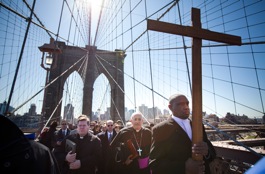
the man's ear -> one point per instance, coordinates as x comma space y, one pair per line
170, 106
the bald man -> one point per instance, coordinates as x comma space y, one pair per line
172, 147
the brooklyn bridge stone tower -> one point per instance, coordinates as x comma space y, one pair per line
92, 62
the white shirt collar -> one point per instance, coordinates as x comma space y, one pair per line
184, 124
179, 119
110, 132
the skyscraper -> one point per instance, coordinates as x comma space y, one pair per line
32, 110
69, 113
3, 107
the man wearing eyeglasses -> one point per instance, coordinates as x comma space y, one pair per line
58, 150
106, 138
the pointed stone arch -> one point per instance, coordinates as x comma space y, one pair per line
110, 63
73, 85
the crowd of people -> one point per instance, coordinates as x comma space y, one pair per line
131, 148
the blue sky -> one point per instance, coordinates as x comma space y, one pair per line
232, 75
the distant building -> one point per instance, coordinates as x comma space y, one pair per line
130, 112
32, 110
69, 113
166, 112
107, 114
211, 118
3, 108
95, 116
236, 119
126, 114
144, 110
28, 121
154, 113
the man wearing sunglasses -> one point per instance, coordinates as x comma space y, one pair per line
59, 148
106, 138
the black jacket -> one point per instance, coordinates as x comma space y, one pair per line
60, 137
88, 151
21, 155
144, 137
171, 147
107, 163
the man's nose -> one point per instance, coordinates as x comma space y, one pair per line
186, 106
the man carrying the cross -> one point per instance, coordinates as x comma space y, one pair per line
172, 148
136, 142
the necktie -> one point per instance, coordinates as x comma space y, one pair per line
110, 137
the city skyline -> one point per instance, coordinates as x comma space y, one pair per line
145, 110
232, 75
32, 119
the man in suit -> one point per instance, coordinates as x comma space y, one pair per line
172, 148
59, 147
107, 164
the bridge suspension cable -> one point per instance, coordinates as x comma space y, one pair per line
47, 85
167, 57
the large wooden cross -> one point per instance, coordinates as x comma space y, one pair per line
197, 33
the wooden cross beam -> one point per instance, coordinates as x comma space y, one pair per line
197, 33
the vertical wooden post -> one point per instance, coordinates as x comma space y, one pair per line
197, 34
197, 135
